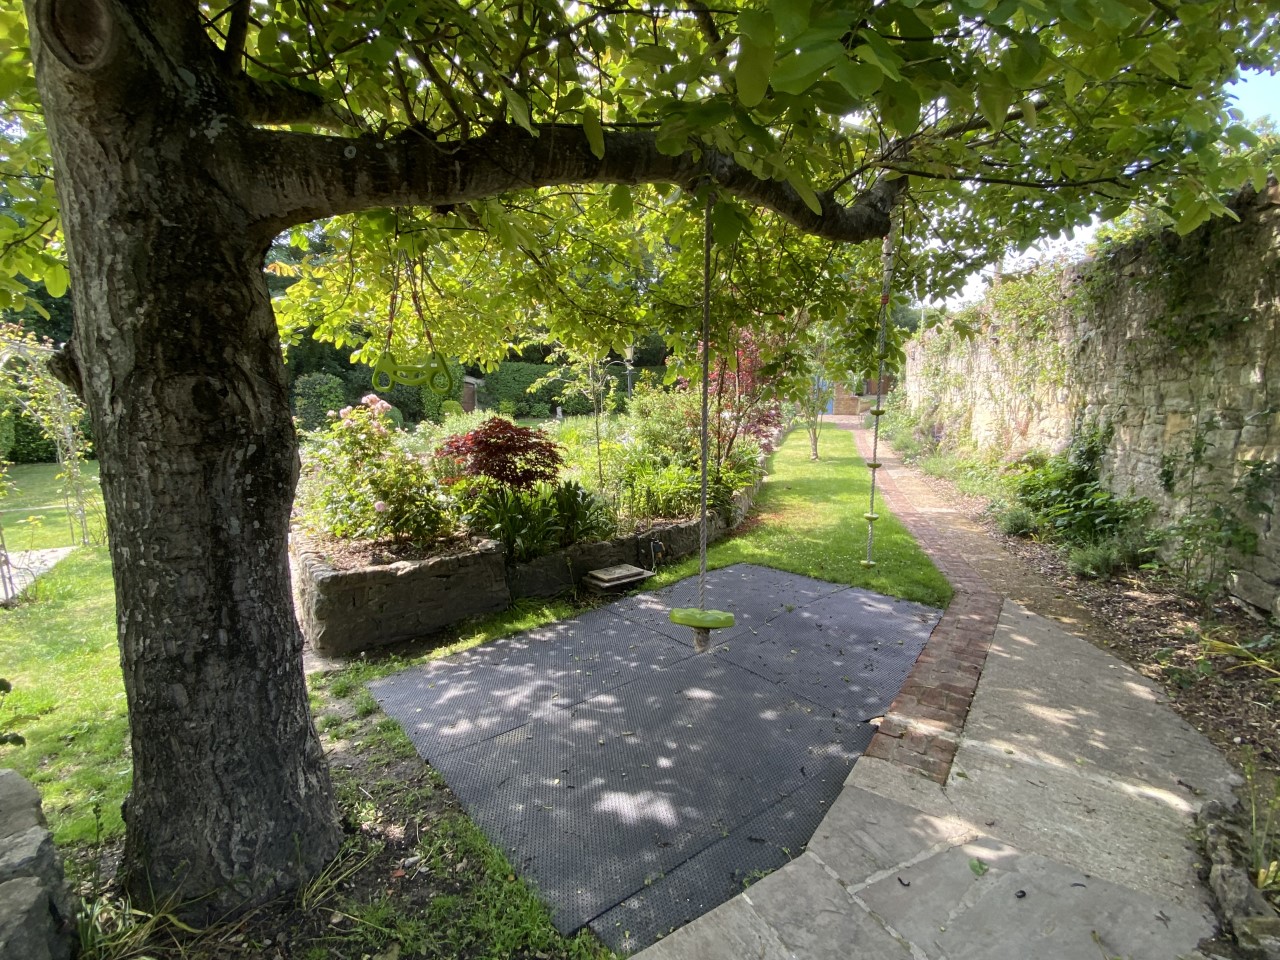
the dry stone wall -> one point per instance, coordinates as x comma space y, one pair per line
37, 910
1172, 342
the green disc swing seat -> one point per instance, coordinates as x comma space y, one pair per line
699, 618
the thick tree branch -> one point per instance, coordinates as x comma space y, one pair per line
294, 178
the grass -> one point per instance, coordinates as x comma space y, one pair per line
810, 522
68, 696
68, 702
32, 512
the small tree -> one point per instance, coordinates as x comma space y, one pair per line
511, 455
28, 384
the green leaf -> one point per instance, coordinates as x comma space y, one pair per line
752, 71
56, 280
994, 97
757, 26
876, 49
978, 867
594, 132
806, 191
1072, 83
796, 73
791, 16
267, 39
620, 201
860, 79
900, 104
727, 223
1165, 60
519, 109
1029, 113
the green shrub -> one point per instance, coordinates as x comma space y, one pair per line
583, 515
450, 408
661, 492
1017, 521
533, 522
524, 523
1067, 495
358, 482
507, 388
30, 444
314, 396
1093, 561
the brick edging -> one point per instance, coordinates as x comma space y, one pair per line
922, 727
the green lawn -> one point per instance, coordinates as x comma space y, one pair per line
32, 512
810, 522
68, 697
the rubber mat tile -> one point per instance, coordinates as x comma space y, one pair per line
466, 698
719, 872
858, 676
641, 778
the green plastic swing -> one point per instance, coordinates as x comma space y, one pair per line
699, 618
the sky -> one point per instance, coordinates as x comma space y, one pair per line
1257, 95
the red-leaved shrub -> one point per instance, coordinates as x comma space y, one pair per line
514, 456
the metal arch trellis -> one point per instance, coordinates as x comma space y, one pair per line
64, 439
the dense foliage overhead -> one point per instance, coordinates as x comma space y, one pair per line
1011, 119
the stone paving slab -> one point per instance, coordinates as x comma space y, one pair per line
1073, 785
1065, 703
1025, 906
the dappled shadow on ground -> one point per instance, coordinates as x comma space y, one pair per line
637, 784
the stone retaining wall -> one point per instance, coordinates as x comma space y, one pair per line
342, 612
37, 910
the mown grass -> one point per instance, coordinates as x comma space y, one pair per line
810, 522
32, 512
68, 696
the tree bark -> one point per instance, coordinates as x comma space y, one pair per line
181, 368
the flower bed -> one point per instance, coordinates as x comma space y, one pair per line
485, 516
343, 612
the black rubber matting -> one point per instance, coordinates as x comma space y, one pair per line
637, 785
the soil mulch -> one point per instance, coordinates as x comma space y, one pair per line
1143, 619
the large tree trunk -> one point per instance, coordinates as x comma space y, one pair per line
181, 369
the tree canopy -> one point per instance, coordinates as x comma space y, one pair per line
1006, 119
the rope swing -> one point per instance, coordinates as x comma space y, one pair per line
699, 618
433, 372
886, 289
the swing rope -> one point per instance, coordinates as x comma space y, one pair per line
699, 618
706, 378
886, 291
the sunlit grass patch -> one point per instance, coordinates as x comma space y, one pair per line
68, 697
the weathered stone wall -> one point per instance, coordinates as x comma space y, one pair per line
344, 612
1165, 341
37, 912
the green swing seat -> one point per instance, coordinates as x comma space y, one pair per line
701, 619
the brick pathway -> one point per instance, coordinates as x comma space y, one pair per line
922, 728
